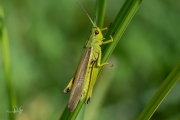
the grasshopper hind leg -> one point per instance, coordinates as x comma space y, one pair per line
88, 97
92, 80
69, 86
89, 93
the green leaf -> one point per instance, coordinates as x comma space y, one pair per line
164, 89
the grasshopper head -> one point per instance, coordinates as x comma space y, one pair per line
95, 31
95, 37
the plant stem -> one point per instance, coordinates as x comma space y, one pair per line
100, 12
119, 25
7, 66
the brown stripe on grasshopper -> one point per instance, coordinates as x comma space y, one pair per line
79, 80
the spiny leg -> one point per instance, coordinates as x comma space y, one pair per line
99, 64
92, 80
69, 86
108, 41
106, 27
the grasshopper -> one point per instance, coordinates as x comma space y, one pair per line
86, 74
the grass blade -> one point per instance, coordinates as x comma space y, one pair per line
164, 89
6, 63
100, 12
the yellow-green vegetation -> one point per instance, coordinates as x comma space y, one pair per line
46, 39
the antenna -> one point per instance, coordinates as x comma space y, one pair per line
87, 14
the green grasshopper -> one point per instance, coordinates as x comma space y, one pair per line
86, 74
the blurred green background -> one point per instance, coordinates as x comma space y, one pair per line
46, 40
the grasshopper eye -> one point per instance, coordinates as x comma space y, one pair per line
96, 32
